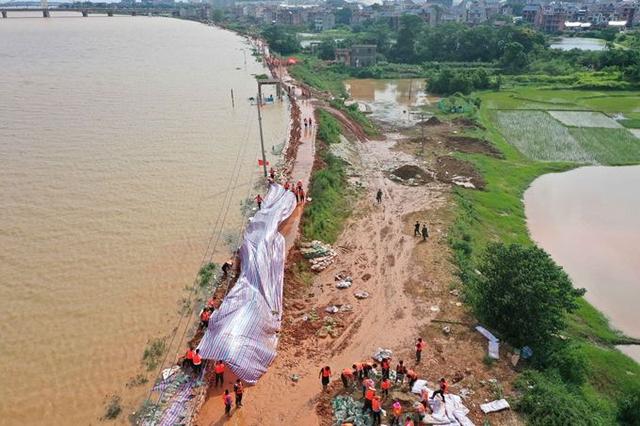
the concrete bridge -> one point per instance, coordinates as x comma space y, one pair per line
46, 11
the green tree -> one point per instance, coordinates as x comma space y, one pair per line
281, 40
327, 50
514, 58
523, 294
405, 48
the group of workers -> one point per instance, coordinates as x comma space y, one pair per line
363, 374
297, 189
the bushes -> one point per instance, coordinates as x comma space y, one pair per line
629, 410
548, 402
523, 294
448, 81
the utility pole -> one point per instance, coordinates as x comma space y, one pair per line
264, 159
421, 124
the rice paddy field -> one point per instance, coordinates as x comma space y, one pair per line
569, 125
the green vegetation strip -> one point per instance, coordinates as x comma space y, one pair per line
584, 381
324, 216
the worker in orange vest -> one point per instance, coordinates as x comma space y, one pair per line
385, 385
187, 362
238, 389
347, 377
226, 398
396, 409
444, 386
259, 201
369, 394
204, 317
219, 371
376, 408
359, 370
420, 344
412, 376
197, 363
325, 374
385, 365
366, 384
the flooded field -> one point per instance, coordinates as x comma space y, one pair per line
587, 219
390, 101
582, 43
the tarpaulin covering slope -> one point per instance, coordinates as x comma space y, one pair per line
243, 331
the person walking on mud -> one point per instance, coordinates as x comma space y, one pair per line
259, 201
379, 196
425, 232
416, 229
420, 344
305, 124
226, 398
238, 389
324, 376
219, 371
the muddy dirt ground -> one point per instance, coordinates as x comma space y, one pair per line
412, 290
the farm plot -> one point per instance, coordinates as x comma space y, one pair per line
585, 119
608, 146
540, 137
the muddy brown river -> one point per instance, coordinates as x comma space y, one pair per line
117, 139
588, 220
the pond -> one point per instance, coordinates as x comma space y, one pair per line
588, 221
582, 43
390, 101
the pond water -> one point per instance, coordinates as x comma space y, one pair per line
582, 43
390, 101
588, 220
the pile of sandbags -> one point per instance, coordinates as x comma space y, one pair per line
320, 255
348, 410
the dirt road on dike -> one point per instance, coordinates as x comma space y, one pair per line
409, 282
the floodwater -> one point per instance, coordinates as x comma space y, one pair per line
117, 143
390, 101
588, 220
581, 43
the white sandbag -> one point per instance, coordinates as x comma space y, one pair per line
418, 385
494, 350
486, 333
493, 406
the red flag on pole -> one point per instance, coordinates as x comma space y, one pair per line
261, 163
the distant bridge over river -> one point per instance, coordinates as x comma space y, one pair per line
86, 11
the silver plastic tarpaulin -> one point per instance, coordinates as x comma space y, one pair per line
243, 332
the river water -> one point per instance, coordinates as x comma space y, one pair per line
117, 139
580, 43
588, 220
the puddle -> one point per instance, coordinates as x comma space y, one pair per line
390, 101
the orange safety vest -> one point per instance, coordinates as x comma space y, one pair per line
219, 368
370, 394
189, 354
420, 346
358, 366
347, 372
375, 404
326, 372
197, 360
397, 410
386, 384
227, 399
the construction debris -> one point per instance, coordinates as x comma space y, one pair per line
361, 294
381, 353
344, 283
494, 342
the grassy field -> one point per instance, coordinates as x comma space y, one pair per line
497, 214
